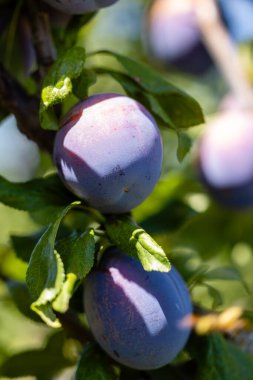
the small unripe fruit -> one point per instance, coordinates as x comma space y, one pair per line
109, 152
225, 158
136, 316
79, 6
19, 157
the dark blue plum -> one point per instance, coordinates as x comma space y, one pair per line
79, 6
174, 38
238, 16
109, 152
225, 158
136, 316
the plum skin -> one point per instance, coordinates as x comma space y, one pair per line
135, 315
109, 152
225, 159
79, 6
174, 38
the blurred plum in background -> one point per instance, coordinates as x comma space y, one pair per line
173, 37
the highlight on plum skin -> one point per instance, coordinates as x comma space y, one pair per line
225, 158
136, 316
109, 152
79, 6
173, 38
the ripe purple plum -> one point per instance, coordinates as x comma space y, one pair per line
137, 316
225, 158
109, 152
173, 37
79, 6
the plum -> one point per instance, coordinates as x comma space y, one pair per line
237, 15
19, 157
109, 152
225, 158
79, 6
136, 316
174, 38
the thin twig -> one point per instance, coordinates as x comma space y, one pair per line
223, 50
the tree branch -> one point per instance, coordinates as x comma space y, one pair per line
25, 108
71, 324
42, 38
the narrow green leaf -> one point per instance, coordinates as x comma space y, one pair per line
215, 295
182, 109
79, 256
184, 145
48, 119
24, 245
132, 239
83, 82
61, 303
35, 195
134, 90
58, 84
94, 365
47, 314
45, 274
77, 253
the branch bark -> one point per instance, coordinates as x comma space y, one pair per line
25, 108
42, 37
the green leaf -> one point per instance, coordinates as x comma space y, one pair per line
184, 145
46, 313
48, 119
94, 365
58, 83
39, 194
215, 295
181, 108
45, 274
78, 254
221, 360
24, 245
22, 299
134, 90
61, 303
132, 239
83, 82
42, 363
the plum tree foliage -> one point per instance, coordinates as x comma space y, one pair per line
121, 235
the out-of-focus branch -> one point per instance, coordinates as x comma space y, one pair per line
42, 38
25, 108
223, 50
72, 325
